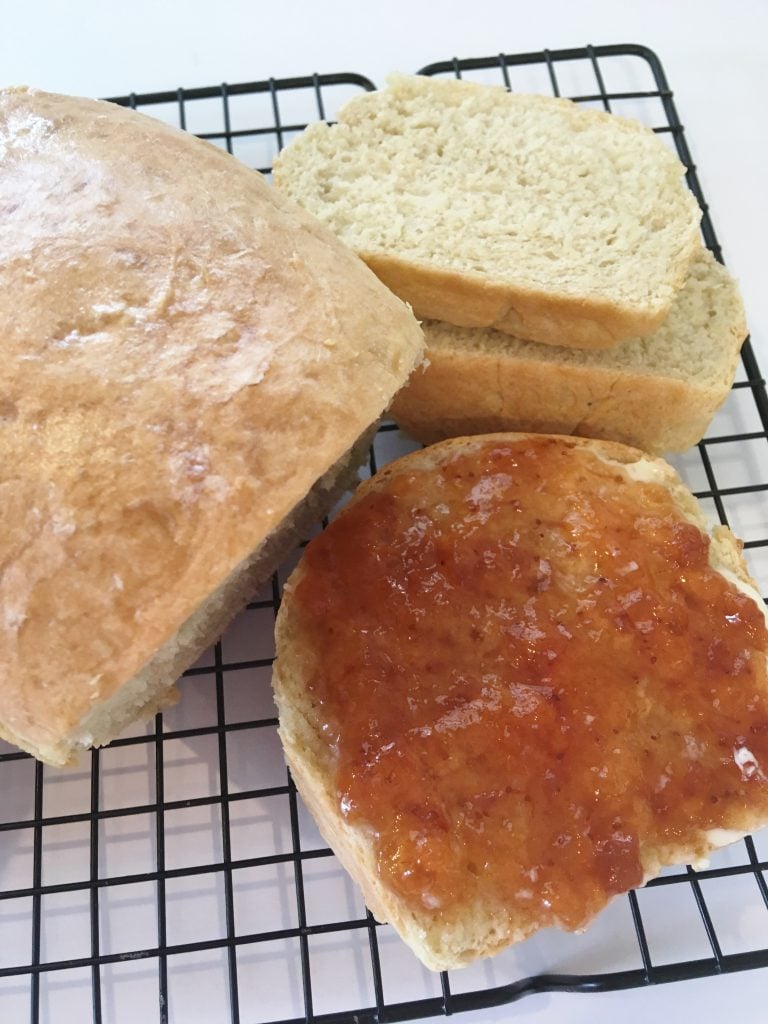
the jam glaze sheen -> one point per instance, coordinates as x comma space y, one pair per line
528, 676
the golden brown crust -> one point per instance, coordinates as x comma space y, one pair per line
471, 300
659, 393
460, 393
185, 353
444, 942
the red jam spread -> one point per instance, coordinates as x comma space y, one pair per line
526, 670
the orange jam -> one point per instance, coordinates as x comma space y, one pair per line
527, 672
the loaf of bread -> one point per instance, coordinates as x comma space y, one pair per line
482, 208
187, 363
516, 677
658, 393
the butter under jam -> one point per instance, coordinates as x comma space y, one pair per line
528, 674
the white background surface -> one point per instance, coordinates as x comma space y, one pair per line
716, 58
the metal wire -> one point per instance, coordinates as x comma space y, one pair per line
319, 93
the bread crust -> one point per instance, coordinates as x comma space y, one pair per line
153, 687
449, 941
470, 300
185, 353
460, 393
658, 394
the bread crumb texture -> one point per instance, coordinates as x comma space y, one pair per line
524, 191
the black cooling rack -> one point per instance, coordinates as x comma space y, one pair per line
176, 875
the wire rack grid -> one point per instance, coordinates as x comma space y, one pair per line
176, 874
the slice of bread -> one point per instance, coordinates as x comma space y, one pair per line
658, 393
186, 356
516, 677
482, 208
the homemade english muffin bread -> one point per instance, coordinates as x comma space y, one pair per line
188, 362
482, 208
516, 676
658, 393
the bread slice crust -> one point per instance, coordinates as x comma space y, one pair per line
657, 393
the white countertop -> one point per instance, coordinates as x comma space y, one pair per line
716, 58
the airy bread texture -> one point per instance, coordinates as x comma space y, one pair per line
658, 393
185, 355
449, 939
482, 208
